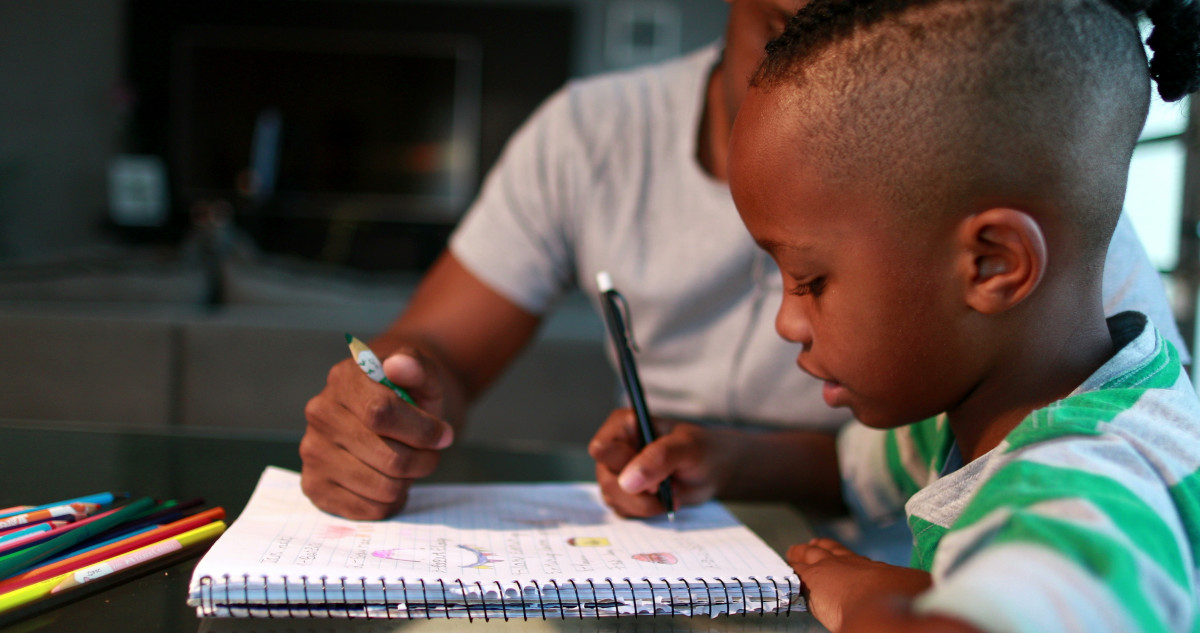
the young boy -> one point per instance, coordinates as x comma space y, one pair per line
938, 181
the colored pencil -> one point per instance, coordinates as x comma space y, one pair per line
171, 511
120, 562
369, 362
141, 555
44, 526
102, 498
113, 549
13, 563
67, 511
93, 544
7, 547
21, 542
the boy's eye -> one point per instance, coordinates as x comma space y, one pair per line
814, 288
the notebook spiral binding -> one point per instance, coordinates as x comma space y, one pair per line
245, 597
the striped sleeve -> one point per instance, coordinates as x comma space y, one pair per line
1071, 534
881, 469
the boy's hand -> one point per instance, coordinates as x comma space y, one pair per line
629, 477
364, 446
839, 583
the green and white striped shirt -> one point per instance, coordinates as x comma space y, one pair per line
1085, 518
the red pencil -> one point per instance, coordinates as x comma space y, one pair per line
113, 549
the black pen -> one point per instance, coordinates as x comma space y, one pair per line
623, 344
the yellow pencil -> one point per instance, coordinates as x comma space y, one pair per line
71, 579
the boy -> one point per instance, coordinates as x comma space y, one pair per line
938, 181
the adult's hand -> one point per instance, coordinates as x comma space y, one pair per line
364, 446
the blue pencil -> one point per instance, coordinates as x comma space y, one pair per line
102, 498
34, 529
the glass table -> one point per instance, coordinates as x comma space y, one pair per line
44, 462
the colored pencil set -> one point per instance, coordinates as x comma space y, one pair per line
58, 547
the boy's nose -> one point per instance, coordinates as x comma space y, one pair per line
792, 323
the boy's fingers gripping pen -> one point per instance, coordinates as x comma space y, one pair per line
370, 364
618, 330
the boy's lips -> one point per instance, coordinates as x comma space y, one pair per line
834, 393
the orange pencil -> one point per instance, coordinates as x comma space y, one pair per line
113, 549
68, 511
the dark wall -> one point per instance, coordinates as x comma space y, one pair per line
516, 74
66, 115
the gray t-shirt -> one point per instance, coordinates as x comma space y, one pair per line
604, 176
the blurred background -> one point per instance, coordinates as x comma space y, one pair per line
198, 197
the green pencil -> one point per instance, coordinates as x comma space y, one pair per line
13, 563
370, 364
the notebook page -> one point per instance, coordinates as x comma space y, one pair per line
486, 534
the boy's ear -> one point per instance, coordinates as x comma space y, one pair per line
1003, 258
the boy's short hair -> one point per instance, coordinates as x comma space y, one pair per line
948, 104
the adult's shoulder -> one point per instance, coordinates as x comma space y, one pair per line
657, 98
687, 70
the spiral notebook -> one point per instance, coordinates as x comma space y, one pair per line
551, 550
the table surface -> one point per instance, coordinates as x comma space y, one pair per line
41, 461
